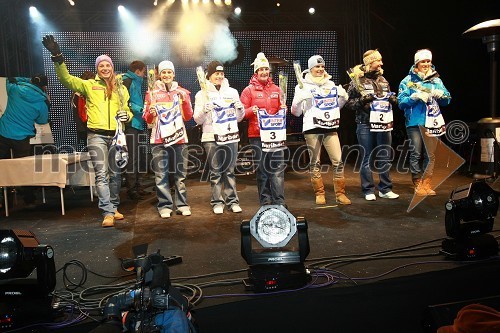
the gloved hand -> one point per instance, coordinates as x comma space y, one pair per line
302, 95
366, 99
238, 105
51, 45
437, 93
393, 99
122, 115
209, 107
421, 95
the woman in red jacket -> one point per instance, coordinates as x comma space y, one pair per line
266, 115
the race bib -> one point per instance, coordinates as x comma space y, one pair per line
170, 122
326, 111
120, 143
272, 130
381, 119
225, 124
434, 121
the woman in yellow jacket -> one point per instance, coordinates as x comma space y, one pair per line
107, 105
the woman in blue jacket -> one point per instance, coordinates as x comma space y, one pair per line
421, 93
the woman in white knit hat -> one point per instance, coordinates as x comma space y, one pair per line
167, 107
266, 115
421, 93
320, 101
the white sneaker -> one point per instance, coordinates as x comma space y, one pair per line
370, 197
218, 209
184, 211
388, 195
165, 214
236, 208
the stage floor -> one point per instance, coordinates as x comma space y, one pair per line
209, 243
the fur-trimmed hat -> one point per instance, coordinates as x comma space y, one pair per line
423, 54
102, 58
372, 56
213, 67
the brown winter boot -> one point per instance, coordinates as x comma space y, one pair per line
319, 190
420, 188
339, 186
427, 186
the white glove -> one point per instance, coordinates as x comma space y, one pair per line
437, 93
238, 105
122, 115
421, 95
302, 95
209, 107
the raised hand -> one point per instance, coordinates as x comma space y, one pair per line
51, 45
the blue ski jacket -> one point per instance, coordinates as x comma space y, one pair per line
415, 110
27, 104
136, 100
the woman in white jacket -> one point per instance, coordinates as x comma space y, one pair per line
218, 109
320, 101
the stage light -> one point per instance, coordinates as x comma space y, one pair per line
470, 214
228, 2
312, 10
277, 264
71, 2
20, 254
121, 9
155, 3
25, 300
34, 13
237, 11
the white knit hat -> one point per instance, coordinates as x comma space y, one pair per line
423, 54
260, 61
165, 64
314, 61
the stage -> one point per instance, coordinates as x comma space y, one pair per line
383, 260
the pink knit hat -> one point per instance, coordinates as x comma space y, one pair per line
101, 58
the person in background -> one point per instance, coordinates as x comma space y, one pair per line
167, 107
320, 101
218, 109
371, 98
421, 93
78, 105
262, 102
106, 106
133, 81
27, 105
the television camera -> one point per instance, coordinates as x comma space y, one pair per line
153, 305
